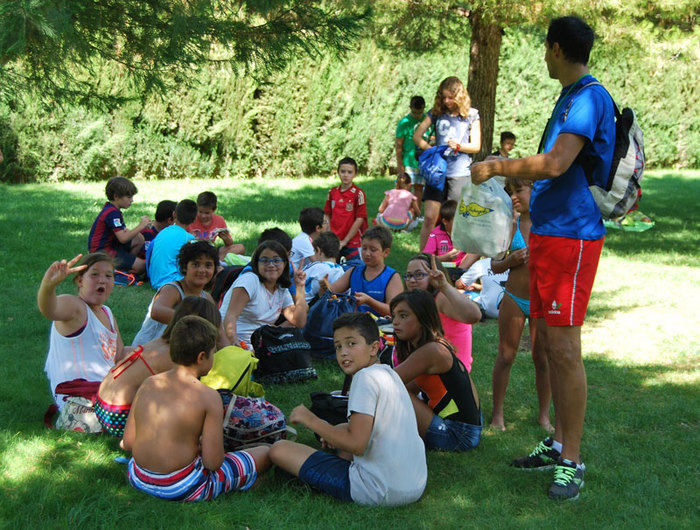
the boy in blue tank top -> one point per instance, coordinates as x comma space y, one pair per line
373, 283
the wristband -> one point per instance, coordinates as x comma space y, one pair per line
458, 148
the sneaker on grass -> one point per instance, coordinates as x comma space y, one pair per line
543, 457
568, 480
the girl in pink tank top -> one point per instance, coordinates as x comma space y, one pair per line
457, 312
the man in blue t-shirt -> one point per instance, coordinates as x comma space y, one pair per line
566, 237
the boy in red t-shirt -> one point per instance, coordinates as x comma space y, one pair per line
208, 225
346, 210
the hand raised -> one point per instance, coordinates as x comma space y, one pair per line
59, 270
299, 274
437, 277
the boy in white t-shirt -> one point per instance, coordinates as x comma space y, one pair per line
311, 222
381, 458
323, 263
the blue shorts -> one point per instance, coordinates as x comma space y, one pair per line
327, 473
449, 435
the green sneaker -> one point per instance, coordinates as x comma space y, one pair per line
568, 480
543, 457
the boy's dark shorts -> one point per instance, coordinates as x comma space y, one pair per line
124, 260
327, 473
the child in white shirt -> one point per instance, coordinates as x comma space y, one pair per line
381, 457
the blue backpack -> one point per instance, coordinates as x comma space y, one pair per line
319, 322
433, 166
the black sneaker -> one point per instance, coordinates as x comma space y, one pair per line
543, 457
568, 480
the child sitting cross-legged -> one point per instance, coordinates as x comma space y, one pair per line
178, 453
451, 419
209, 226
118, 388
373, 283
381, 458
399, 207
323, 263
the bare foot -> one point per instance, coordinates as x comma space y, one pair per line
546, 425
498, 426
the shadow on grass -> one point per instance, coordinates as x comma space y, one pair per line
635, 415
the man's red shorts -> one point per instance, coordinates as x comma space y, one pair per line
562, 271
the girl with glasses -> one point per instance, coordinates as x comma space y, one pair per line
259, 296
457, 312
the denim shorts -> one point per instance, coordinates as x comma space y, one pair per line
327, 473
449, 435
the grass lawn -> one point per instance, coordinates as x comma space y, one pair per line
640, 342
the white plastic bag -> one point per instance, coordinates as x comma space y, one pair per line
484, 219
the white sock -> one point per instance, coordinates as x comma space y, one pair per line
556, 446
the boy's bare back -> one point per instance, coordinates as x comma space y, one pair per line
171, 412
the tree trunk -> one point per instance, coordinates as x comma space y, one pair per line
484, 53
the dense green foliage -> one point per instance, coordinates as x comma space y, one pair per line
301, 120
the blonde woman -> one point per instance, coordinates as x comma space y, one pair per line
457, 125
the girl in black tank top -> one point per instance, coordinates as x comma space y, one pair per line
428, 362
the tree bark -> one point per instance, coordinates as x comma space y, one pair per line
484, 54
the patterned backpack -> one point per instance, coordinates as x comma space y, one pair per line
250, 421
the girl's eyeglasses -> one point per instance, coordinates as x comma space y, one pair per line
418, 276
275, 262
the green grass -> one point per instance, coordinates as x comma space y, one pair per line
641, 344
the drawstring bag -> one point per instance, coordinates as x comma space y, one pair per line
433, 166
251, 421
484, 219
232, 370
319, 322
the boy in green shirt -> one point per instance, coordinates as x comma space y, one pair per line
406, 161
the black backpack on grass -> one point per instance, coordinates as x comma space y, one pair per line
284, 355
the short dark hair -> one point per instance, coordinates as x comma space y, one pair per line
276, 234
193, 305
448, 210
120, 187
207, 199
328, 243
194, 248
164, 210
405, 179
381, 234
190, 336
310, 219
274, 246
513, 183
507, 135
574, 36
186, 211
363, 323
348, 160
417, 102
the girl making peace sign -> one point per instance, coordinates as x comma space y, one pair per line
84, 342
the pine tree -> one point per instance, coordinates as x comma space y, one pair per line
58, 47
